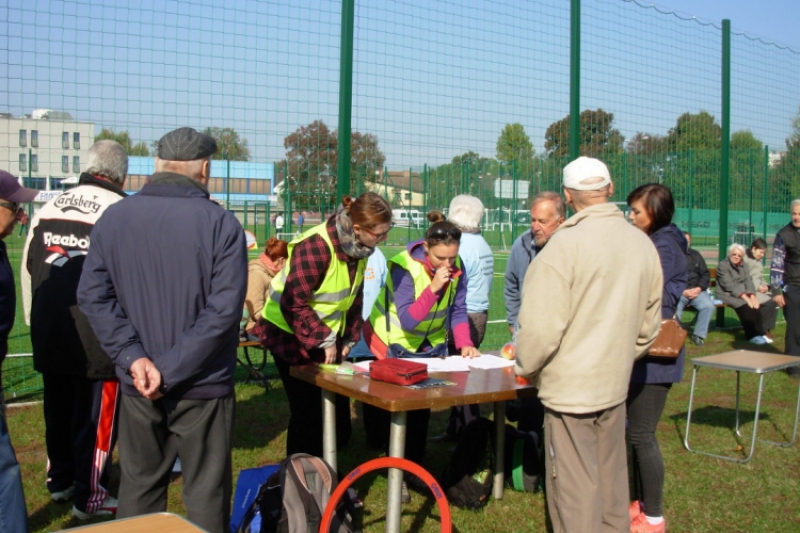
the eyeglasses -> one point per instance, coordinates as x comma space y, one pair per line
378, 236
441, 234
13, 206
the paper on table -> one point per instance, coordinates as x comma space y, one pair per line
455, 363
486, 361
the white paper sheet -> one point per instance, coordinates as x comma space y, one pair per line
435, 364
486, 361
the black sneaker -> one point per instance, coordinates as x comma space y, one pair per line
698, 341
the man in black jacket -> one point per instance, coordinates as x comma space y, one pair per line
696, 293
163, 287
80, 386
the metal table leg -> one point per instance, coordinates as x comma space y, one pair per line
794, 429
689, 410
397, 444
329, 427
500, 439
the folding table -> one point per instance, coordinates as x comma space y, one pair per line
760, 363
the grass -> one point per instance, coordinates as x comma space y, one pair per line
703, 494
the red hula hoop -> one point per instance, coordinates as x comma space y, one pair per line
388, 462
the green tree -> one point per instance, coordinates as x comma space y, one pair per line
745, 140
597, 136
784, 178
698, 131
124, 138
229, 142
514, 144
312, 163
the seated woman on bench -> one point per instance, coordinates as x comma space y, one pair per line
735, 288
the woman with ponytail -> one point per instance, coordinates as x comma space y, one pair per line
313, 310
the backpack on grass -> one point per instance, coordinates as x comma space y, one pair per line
294, 498
468, 477
522, 460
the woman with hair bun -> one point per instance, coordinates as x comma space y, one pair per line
260, 272
313, 310
423, 301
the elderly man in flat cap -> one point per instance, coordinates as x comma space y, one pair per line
591, 304
163, 288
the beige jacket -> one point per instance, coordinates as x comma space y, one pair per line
258, 280
591, 305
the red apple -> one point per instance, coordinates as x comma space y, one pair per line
522, 381
509, 351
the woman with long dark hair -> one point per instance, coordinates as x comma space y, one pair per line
651, 210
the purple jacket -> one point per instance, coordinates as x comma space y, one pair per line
404, 298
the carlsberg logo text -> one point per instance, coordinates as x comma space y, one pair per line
52, 239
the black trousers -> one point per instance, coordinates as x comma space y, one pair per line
792, 314
645, 404
153, 433
80, 433
377, 421
751, 320
304, 434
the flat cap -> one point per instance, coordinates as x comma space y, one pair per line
186, 144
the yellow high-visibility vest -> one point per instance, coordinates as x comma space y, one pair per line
331, 300
432, 327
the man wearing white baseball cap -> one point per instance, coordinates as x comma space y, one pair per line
12, 500
591, 305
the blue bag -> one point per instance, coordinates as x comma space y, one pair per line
250, 480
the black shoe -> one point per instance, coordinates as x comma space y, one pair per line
698, 341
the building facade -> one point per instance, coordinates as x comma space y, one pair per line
44, 148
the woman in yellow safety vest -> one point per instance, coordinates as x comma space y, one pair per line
424, 300
313, 310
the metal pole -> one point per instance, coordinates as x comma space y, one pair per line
227, 181
765, 202
725, 164
575, 80
345, 99
750, 227
691, 189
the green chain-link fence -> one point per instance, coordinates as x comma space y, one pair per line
435, 97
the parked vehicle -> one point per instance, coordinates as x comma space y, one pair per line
407, 217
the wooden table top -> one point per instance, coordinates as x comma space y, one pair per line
160, 522
475, 386
747, 361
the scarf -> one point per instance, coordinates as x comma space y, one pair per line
351, 246
268, 263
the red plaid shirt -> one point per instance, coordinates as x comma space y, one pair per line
307, 268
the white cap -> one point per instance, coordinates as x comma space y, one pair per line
586, 168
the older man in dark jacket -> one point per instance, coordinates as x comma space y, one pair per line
696, 293
163, 287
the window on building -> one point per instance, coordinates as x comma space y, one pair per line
23, 138
34, 183
64, 164
76, 164
34, 163
65, 140
76, 140
23, 163
408, 196
35, 138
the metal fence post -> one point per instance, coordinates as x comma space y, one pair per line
575, 80
345, 99
725, 164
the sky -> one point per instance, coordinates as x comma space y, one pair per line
772, 20
432, 79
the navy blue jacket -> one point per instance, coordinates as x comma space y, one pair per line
671, 246
165, 278
8, 302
